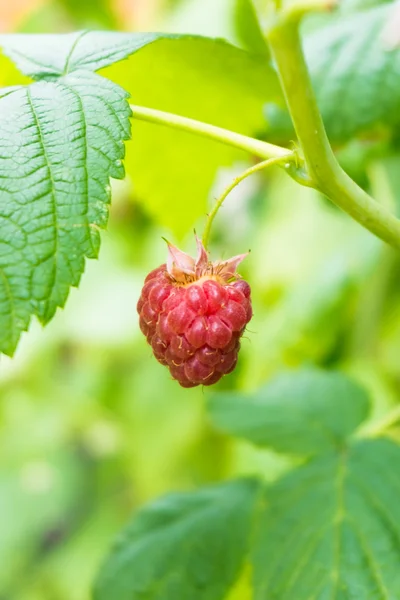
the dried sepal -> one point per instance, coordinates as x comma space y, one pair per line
179, 264
184, 269
227, 269
202, 260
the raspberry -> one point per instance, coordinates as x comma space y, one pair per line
193, 314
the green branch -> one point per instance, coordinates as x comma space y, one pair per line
323, 169
218, 134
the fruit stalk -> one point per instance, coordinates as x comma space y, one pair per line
254, 169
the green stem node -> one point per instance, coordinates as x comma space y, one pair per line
323, 169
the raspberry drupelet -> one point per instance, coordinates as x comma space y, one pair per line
193, 314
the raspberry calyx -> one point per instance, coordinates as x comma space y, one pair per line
193, 313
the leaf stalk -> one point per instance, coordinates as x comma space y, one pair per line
218, 134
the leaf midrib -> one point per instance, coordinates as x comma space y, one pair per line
55, 252
85, 147
71, 51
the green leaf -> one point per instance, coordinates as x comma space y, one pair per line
59, 145
354, 74
9, 74
331, 529
356, 77
208, 80
189, 546
34, 54
300, 412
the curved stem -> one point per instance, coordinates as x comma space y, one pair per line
325, 172
388, 421
254, 169
218, 134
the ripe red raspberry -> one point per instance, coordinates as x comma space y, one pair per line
193, 314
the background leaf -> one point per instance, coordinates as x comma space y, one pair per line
300, 412
354, 73
355, 76
9, 74
331, 529
54, 190
209, 80
188, 546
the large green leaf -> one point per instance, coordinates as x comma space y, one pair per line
354, 74
208, 80
331, 530
9, 74
301, 412
59, 145
189, 546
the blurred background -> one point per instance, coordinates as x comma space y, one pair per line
91, 426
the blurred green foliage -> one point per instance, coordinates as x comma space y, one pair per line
92, 427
